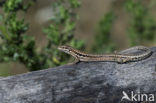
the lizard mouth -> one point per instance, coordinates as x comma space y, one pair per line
60, 48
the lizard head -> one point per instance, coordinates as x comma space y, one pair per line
65, 48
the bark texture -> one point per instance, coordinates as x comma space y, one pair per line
85, 82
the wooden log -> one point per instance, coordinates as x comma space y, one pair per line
85, 82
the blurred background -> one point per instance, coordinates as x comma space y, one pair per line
31, 31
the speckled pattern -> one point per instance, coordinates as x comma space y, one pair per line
85, 82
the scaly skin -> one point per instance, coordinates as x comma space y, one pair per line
116, 57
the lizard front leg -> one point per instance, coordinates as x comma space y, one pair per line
76, 61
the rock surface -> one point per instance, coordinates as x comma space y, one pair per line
85, 82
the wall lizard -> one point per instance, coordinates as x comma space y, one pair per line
116, 57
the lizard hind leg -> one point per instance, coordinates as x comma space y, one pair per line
122, 61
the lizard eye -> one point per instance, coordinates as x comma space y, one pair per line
69, 50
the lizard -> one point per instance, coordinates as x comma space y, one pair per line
116, 57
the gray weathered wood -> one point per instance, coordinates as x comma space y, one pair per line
85, 82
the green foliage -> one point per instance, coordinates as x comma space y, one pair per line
141, 30
14, 47
61, 31
143, 26
103, 42
17, 46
